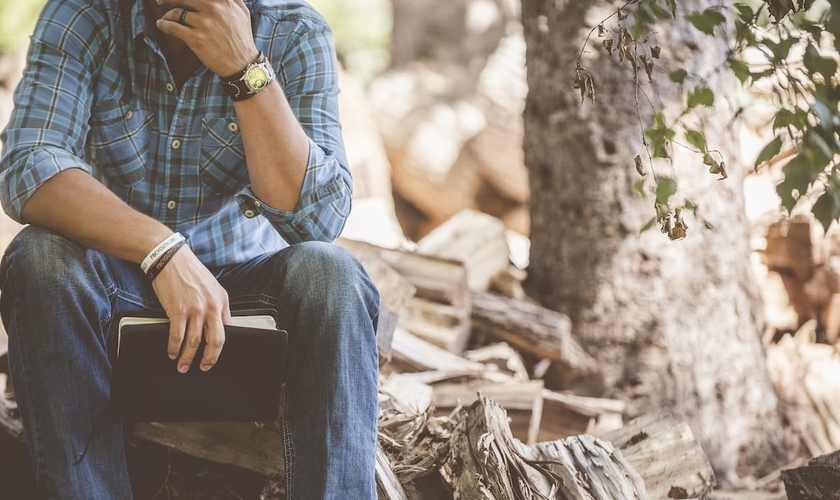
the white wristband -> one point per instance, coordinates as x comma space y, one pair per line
160, 250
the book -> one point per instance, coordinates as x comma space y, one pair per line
244, 385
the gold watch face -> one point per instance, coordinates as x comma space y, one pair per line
256, 78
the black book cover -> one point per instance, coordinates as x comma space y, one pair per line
244, 385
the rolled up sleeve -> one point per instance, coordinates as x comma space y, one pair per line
48, 127
309, 74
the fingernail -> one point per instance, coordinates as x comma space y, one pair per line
183, 368
172, 356
205, 368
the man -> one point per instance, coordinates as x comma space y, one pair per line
123, 136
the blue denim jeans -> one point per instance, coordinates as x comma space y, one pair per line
58, 303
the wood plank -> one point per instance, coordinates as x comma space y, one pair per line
474, 238
666, 454
522, 400
567, 415
243, 444
443, 325
435, 279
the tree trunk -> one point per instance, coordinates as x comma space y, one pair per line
675, 325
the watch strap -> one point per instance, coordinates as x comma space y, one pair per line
236, 86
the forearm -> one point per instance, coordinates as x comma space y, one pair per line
78, 206
276, 147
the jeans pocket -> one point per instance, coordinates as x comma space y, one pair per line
119, 141
222, 167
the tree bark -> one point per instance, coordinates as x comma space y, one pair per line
675, 325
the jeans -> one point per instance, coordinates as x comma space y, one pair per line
58, 304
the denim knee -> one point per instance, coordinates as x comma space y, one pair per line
320, 273
42, 260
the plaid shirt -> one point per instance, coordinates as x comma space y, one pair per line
97, 95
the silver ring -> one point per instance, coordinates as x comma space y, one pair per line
182, 19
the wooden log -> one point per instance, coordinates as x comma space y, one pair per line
502, 356
790, 248
413, 354
388, 487
487, 462
667, 455
523, 402
443, 325
567, 415
435, 279
541, 332
425, 135
819, 480
476, 239
243, 444
592, 469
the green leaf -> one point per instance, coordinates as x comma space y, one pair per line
769, 152
696, 139
740, 69
745, 13
798, 178
787, 118
827, 207
678, 76
665, 188
707, 20
701, 96
648, 226
817, 150
781, 49
639, 187
817, 64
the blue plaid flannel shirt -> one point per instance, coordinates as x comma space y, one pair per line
97, 95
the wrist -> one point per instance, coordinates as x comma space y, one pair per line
250, 81
175, 239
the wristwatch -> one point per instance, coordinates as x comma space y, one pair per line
251, 81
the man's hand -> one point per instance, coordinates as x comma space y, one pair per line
196, 305
217, 31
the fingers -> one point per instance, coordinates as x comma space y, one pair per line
214, 334
171, 24
195, 327
176, 336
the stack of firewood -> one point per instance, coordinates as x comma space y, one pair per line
487, 395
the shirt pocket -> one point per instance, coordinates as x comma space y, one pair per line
119, 141
222, 167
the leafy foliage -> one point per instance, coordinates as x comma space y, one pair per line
803, 73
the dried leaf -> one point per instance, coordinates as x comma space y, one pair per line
639, 167
648, 65
656, 52
608, 45
601, 30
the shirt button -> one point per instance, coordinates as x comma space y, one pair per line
171, 205
129, 115
176, 144
233, 127
170, 87
250, 214
257, 203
